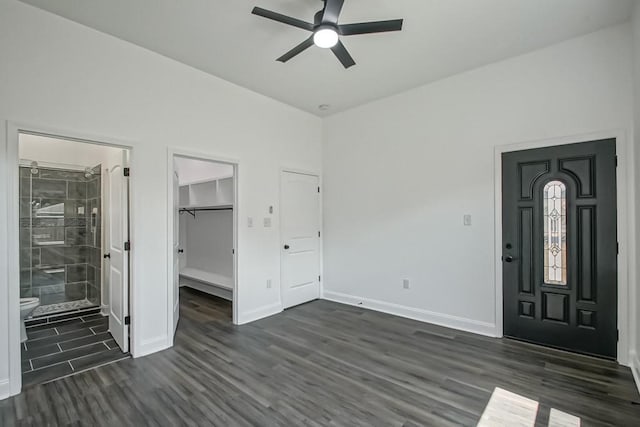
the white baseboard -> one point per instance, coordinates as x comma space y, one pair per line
5, 388
151, 346
259, 313
461, 323
634, 364
207, 289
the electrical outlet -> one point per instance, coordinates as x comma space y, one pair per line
249, 222
268, 283
405, 283
466, 219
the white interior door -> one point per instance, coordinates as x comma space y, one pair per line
300, 225
119, 257
176, 253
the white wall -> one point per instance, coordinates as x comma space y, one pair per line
55, 73
635, 359
209, 241
400, 174
193, 170
45, 149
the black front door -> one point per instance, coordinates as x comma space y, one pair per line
559, 246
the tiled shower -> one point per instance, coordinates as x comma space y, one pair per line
60, 237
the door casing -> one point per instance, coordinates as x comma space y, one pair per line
14, 129
625, 215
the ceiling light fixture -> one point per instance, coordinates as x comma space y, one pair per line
325, 36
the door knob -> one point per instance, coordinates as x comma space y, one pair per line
508, 258
105, 256
180, 251
286, 247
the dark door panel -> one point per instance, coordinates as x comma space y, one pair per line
560, 246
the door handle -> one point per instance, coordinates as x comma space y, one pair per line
286, 247
508, 258
105, 256
180, 251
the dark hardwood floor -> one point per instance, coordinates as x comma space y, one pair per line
325, 364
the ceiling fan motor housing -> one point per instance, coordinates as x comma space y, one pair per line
326, 30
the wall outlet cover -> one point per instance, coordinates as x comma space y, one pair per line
249, 222
267, 222
405, 283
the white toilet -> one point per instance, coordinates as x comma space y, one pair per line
27, 305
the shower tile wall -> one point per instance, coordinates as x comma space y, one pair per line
60, 235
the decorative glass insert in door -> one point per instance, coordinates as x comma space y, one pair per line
555, 233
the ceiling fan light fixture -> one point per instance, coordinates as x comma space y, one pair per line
325, 36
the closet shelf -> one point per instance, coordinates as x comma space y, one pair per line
196, 207
207, 277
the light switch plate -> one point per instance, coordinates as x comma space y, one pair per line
249, 222
267, 222
467, 219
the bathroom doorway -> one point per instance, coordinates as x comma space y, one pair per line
203, 223
73, 199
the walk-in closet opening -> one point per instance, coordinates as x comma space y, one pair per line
73, 256
204, 235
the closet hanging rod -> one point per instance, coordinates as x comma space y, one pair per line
193, 211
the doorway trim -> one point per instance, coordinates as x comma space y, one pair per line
320, 225
14, 129
172, 152
625, 188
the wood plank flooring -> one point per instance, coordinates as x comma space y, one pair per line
321, 364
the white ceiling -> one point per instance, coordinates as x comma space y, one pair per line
440, 38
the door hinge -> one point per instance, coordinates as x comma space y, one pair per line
127, 320
616, 161
127, 246
127, 171
319, 279
233, 251
617, 248
318, 189
617, 335
318, 234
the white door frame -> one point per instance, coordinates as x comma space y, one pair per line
321, 225
172, 152
625, 226
14, 129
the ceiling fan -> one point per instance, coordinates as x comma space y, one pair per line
326, 30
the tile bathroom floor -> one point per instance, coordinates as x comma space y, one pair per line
61, 345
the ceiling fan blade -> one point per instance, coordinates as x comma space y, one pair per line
332, 10
342, 54
282, 18
370, 27
297, 50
